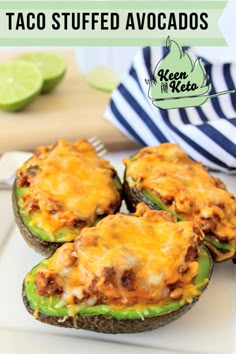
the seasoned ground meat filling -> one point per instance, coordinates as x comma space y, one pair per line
186, 187
141, 258
67, 185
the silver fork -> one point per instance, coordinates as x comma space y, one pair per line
98, 145
7, 182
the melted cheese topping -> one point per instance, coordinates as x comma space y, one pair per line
129, 259
185, 187
68, 183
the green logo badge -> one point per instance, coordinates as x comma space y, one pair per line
178, 81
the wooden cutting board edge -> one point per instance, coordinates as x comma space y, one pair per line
74, 110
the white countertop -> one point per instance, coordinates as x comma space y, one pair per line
209, 327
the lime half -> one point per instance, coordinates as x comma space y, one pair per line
52, 66
20, 82
103, 79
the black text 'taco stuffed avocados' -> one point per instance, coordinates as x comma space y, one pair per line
164, 177
61, 189
129, 273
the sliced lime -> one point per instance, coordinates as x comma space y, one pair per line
52, 66
20, 82
103, 79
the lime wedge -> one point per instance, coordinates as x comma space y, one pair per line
103, 79
52, 66
20, 82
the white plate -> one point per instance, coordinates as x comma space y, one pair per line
209, 327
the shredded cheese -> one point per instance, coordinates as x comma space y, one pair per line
67, 183
129, 259
186, 187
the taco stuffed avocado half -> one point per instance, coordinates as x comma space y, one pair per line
129, 273
61, 189
164, 177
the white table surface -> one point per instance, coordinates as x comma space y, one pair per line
210, 327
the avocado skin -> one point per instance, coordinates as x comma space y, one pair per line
105, 324
133, 196
46, 248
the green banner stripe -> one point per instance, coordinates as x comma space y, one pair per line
67, 42
111, 5
119, 13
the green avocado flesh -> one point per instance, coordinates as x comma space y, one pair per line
224, 247
157, 201
50, 306
61, 235
217, 243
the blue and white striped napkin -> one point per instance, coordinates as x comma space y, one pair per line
207, 133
